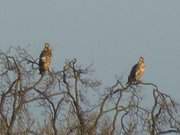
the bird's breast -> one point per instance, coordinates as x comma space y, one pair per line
142, 68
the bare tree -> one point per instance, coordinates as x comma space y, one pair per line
74, 103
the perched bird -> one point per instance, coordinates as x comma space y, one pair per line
45, 59
137, 71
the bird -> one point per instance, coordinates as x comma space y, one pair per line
137, 71
45, 59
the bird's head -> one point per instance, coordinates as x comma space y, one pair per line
141, 60
46, 45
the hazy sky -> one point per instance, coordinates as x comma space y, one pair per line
110, 34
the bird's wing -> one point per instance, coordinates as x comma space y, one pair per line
42, 57
132, 75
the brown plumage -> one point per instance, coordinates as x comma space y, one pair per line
137, 71
45, 59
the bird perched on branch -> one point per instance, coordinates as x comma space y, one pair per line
137, 71
45, 59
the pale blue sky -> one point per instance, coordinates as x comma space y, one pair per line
111, 34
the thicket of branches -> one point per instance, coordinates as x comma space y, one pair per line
73, 103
